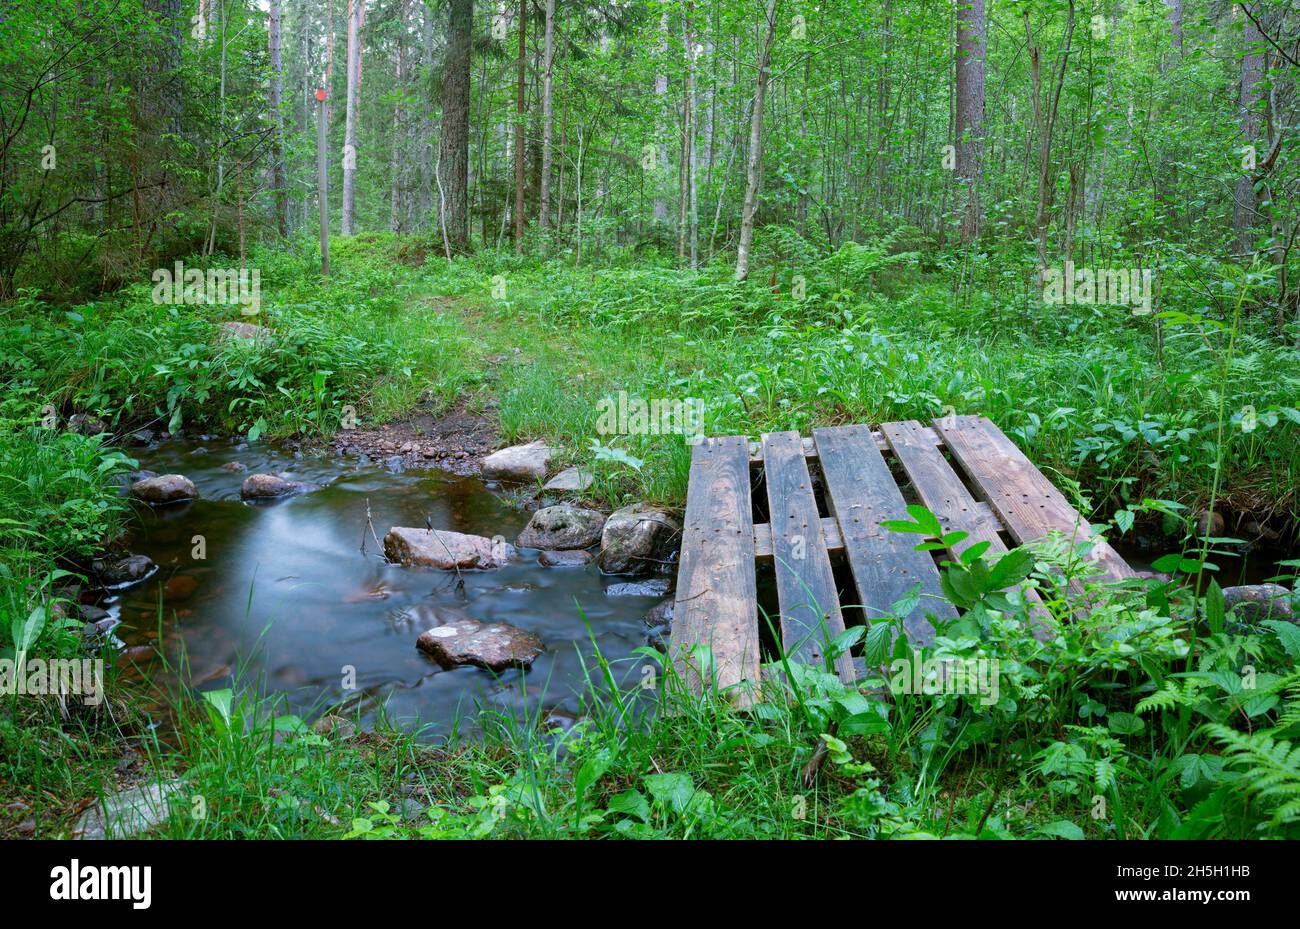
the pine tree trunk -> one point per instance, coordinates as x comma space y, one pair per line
548, 117
519, 128
453, 157
970, 110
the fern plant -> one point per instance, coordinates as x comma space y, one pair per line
1268, 768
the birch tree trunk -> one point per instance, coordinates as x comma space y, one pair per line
661, 150
1244, 204
754, 172
548, 117
350, 153
275, 95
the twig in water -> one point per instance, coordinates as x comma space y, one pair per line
370, 524
460, 580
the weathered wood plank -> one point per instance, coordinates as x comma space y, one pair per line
943, 494
861, 493
831, 533
1023, 498
809, 599
717, 599
763, 539
810, 447
939, 487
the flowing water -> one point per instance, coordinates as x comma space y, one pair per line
287, 599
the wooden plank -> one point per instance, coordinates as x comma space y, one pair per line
831, 533
763, 539
809, 600
717, 597
810, 447
943, 494
861, 493
1023, 498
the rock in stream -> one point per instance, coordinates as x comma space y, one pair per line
494, 646
520, 464
164, 488
637, 539
445, 550
560, 527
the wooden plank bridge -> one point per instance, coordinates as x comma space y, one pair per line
751, 504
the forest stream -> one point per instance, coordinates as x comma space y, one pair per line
287, 599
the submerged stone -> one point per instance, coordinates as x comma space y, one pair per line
494, 646
164, 488
273, 486
573, 558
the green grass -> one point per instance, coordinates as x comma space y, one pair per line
1085, 393
1129, 709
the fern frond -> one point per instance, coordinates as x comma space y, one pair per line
1269, 768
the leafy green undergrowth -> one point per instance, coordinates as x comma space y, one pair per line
1130, 407
364, 339
1128, 720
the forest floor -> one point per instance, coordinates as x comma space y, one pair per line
443, 361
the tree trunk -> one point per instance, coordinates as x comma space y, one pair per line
1045, 120
520, 111
754, 172
350, 155
329, 65
687, 240
395, 179
275, 95
661, 151
548, 116
453, 157
1175, 15
424, 209
970, 111
1252, 72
